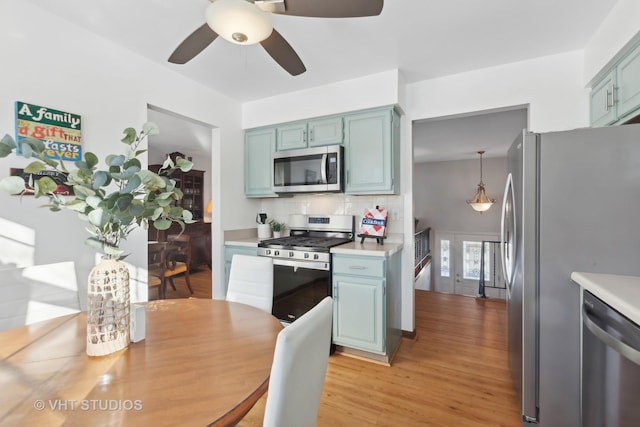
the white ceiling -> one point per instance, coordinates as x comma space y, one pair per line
423, 39
460, 138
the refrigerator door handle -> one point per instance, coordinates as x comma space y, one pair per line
507, 271
627, 351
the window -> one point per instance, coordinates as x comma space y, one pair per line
471, 260
445, 258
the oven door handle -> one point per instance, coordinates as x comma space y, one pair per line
302, 264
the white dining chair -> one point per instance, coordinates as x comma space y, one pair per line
36, 293
251, 281
299, 367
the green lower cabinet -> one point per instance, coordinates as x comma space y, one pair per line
358, 319
229, 252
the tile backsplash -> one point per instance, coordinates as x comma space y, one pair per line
336, 204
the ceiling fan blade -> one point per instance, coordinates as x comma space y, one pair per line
193, 45
282, 52
333, 8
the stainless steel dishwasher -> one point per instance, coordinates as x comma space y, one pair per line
610, 366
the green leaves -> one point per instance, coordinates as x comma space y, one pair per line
114, 201
12, 185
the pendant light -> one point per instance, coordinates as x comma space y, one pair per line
481, 202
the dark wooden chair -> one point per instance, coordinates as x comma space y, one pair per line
178, 255
157, 265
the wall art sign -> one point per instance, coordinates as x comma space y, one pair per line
59, 178
59, 131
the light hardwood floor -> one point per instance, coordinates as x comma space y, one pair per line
454, 373
200, 282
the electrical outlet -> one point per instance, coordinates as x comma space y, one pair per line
395, 214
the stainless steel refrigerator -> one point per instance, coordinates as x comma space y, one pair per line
571, 203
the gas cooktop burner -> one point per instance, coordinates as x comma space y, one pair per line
303, 242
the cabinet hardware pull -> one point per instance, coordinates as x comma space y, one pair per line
357, 267
606, 101
613, 95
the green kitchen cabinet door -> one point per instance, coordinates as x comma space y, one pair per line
602, 105
259, 146
371, 144
325, 131
358, 317
628, 84
292, 136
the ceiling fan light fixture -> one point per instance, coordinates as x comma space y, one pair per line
239, 21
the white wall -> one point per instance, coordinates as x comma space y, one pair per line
370, 91
620, 27
442, 188
50, 62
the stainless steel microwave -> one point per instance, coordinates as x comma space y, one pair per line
308, 170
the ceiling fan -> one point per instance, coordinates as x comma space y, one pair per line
249, 22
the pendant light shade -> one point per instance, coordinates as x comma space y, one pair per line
239, 21
481, 202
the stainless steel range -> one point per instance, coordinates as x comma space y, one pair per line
302, 262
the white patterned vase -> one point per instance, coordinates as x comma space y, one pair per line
108, 308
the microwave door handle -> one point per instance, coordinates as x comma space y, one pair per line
323, 168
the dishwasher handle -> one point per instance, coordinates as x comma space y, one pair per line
627, 351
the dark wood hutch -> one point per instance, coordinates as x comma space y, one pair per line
192, 186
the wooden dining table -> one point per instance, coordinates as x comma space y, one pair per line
202, 362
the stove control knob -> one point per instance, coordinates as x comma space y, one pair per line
268, 252
306, 255
290, 254
276, 253
316, 256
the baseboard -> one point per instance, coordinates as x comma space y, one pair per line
409, 334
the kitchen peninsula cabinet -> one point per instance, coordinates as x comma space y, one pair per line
372, 152
616, 97
259, 146
366, 315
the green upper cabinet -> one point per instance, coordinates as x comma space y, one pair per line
602, 107
325, 131
292, 136
311, 133
628, 82
616, 98
259, 146
371, 146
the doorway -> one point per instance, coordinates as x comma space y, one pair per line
193, 139
458, 264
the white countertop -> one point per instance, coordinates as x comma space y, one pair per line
368, 248
620, 292
251, 242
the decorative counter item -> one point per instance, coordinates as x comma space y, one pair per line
114, 201
374, 225
276, 227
